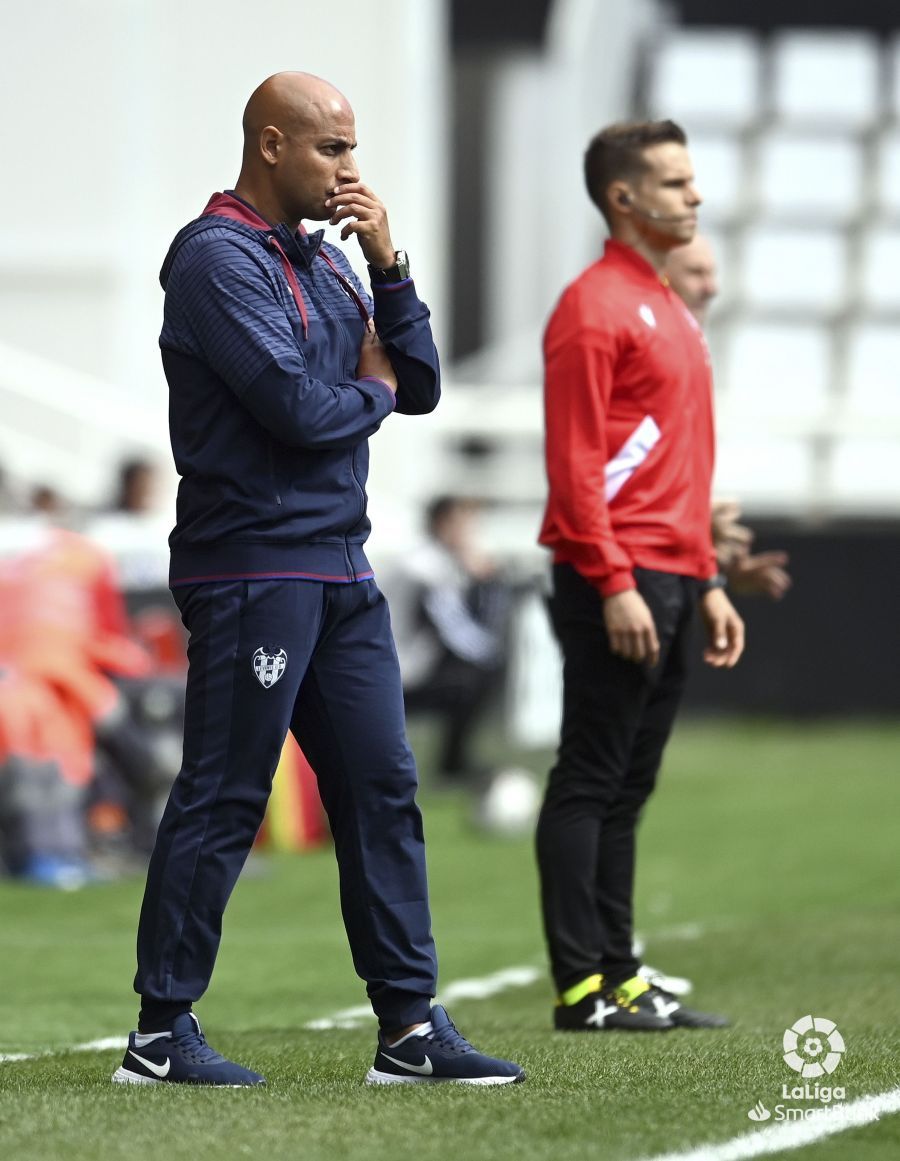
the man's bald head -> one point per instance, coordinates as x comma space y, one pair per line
299, 136
692, 274
290, 101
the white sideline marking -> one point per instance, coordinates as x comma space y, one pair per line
795, 1134
478, 988
89, 1046
481, 987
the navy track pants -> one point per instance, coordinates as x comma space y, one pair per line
318, 659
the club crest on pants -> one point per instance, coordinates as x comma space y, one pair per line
269, 666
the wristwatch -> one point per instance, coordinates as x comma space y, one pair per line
719, 581
396, 273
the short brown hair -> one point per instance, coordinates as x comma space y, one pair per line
616, 153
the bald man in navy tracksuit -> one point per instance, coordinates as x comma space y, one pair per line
277, 380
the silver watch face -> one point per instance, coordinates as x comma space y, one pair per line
396, 273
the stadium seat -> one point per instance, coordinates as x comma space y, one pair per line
776, 374
795, 270
826, 80
809, 180
773, 475
873, 384
880, 269
888, 175
707, 78
865, 474
719, 170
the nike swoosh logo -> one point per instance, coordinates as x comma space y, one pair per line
159, 1069
423, 1069
664, 1008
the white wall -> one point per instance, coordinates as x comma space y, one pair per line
122, 116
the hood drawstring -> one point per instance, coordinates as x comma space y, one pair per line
348, 286
291, 276
226, 206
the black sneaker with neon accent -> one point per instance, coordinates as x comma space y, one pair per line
626, 1008
439, 1053
683, 1017
181, 1056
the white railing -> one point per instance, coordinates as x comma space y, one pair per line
68, 429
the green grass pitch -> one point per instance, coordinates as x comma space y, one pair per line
767, 873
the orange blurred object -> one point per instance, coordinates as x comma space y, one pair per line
63, 631
161, 633
295, 820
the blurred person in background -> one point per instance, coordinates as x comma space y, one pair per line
46, 501
748, 574
65, 643
133, 523
450, 611
278, 377
629, 449
137, 489
693, 275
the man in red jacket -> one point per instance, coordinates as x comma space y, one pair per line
630, 448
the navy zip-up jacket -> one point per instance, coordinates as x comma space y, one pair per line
268, 421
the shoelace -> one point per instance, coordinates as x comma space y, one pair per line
450, 1039
194, 1047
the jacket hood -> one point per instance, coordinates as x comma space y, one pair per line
224, 210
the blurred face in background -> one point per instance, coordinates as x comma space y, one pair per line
456, 528
662, 203
692, 274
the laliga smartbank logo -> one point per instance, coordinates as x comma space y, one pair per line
813, 1047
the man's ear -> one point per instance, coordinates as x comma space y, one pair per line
270, 144
619, 195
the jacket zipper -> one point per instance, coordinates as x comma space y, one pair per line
326, 310
271, 457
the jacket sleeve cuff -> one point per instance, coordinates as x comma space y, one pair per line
395, 302
381, 383
390, 287
617, 582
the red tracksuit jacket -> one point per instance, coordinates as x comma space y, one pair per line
629, 420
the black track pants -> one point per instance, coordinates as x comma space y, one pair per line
617, 717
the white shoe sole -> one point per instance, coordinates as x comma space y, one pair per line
373, 1076
123, 1076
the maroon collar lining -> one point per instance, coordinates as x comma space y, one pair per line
223, 205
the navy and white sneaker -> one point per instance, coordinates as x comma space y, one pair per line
437, 1052
181, 1056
